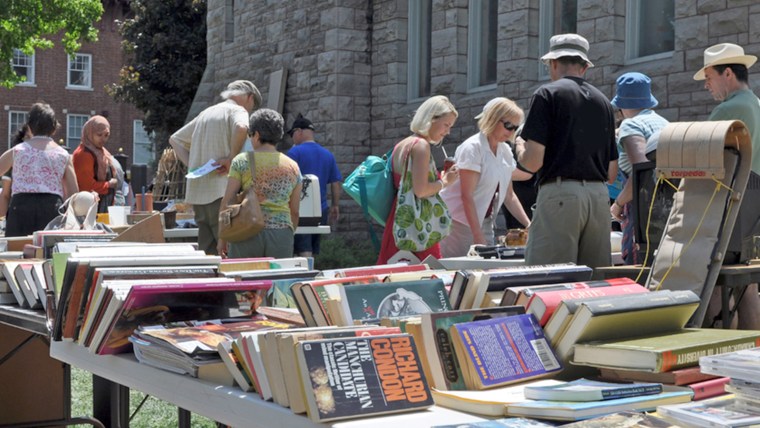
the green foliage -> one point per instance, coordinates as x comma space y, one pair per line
335, 253
28, 25
165, 44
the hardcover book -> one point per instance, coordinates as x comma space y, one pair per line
499, 351
664, 352
590, 390
363, 376
368, 303
674, 377
543, 303
709, 388
444, 371
487, 402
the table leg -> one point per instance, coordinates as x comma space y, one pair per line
110, 402
184, 418
726, 315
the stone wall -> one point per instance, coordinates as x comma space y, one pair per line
348, 68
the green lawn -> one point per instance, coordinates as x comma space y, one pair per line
154, 413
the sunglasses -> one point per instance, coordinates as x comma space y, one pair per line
509, 126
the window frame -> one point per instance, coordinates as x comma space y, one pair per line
69, 136
420, 18
137, 126
31, 67
633, 42
88, 72
475, 42
11, 130
550, 24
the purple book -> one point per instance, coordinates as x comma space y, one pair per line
500, 351
150, 304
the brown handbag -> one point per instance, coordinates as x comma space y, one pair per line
242, 220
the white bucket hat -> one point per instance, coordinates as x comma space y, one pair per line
567, 45
722, 54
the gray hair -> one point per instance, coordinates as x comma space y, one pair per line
242, 87
268, 123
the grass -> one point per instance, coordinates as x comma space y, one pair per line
154, 413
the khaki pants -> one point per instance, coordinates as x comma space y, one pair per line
277, 243
207, 219
571, 224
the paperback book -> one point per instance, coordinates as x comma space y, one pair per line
368, 303
590, 390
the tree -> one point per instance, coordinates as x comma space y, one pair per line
28, 24
165, 44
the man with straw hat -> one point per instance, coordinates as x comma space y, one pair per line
570, 144
726, 77
635, 101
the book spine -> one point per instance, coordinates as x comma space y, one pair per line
631, 392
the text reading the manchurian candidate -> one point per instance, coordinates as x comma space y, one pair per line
357, 368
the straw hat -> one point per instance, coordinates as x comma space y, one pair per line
567, 45
722, 54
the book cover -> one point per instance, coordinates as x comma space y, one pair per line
146, 304
486, 402
9, 271
23, 274
444, 372
316, 293
35, 273
627, 316
510, 295
623, 420
715, 412
363, 376
590, 390
674, 377
498, 351
234, 366
743, 364
499, 279
368, 303
500, 423
578, 410
543, 303
664, 352
286, 346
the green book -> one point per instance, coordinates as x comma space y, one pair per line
368, 303
664, 352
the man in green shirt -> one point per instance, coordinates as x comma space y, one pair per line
726, 77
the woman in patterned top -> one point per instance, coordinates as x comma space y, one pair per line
278, 186
43, 175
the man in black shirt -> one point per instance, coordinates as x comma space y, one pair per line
570, 143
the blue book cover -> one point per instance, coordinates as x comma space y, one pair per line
590, 390
500, 351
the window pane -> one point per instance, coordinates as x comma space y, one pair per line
141, 144
556, 17
16, 120
23, 65
74, 129
655, 27
567, 16
488, 23
420, 28
79, 70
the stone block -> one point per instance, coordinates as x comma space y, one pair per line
397, 72
591, 9
690, 32
513, 24
605, 28
683, 83
346, 39
754, 26
440, 43
679, 100
708, 6
728, 22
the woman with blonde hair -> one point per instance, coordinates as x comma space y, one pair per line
486, 167
431, 123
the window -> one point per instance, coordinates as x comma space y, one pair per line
80, 71
141, 145
650, 28
556, 17
16, 119
481, 60
229, 21
23, 66
420, 27
75, 122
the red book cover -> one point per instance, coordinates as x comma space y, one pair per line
709, 388
543, 303
149, 304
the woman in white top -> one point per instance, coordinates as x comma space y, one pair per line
486, 166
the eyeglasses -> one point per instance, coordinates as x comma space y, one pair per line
509, 126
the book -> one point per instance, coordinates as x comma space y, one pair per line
311, 297
375, 270
9, 272
664, 352
363, 376
627, 316
243, 264
590, 390
682, 376
368, 303
543, 303
144, 304
286, 345
625, 419
285, 315
249, 350
23, 274
487, 402
234, 366
578, 410
444, 372
500, 423
714, 412
709, 388
498, 351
